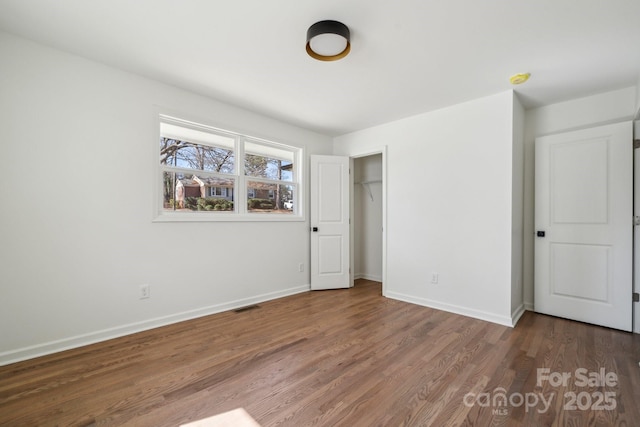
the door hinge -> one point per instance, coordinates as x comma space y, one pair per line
636, 143
636, 297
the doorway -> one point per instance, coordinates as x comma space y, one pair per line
368, 218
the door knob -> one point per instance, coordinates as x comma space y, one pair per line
540, 233
314, 229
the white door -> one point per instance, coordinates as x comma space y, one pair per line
329, 222
583, 220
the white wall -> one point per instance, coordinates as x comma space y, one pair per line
636, 129
367, 218
637, 109
77, 237
517, 213
449, 205
609, 107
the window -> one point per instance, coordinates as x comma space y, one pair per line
219, 191
212, 174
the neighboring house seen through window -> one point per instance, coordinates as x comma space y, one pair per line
208, 173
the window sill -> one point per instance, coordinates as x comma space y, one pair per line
228, 217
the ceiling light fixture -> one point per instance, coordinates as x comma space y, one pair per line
328, 40
518, 79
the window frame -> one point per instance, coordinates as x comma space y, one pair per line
240, 190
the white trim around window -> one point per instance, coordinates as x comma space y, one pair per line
193, 161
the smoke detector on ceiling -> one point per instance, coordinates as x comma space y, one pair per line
518, 79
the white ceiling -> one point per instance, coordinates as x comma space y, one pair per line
407, 57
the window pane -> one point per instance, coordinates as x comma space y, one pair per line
193, 193
268, 162
184, 154
269, 198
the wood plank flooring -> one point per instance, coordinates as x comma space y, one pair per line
335, 358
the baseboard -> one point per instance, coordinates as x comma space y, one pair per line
517, 314
368, 277
464, 311
528, 306
51, 347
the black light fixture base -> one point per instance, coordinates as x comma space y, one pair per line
328, 27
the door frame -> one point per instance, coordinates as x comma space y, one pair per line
352, 156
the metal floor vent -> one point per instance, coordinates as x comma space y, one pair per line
247, 308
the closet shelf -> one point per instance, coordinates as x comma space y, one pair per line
366, 185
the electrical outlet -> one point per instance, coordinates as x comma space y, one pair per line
301, 267
145, 291
434, 278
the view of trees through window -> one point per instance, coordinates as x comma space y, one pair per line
199, 173
195, 156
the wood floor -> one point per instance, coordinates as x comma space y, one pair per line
336, 358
